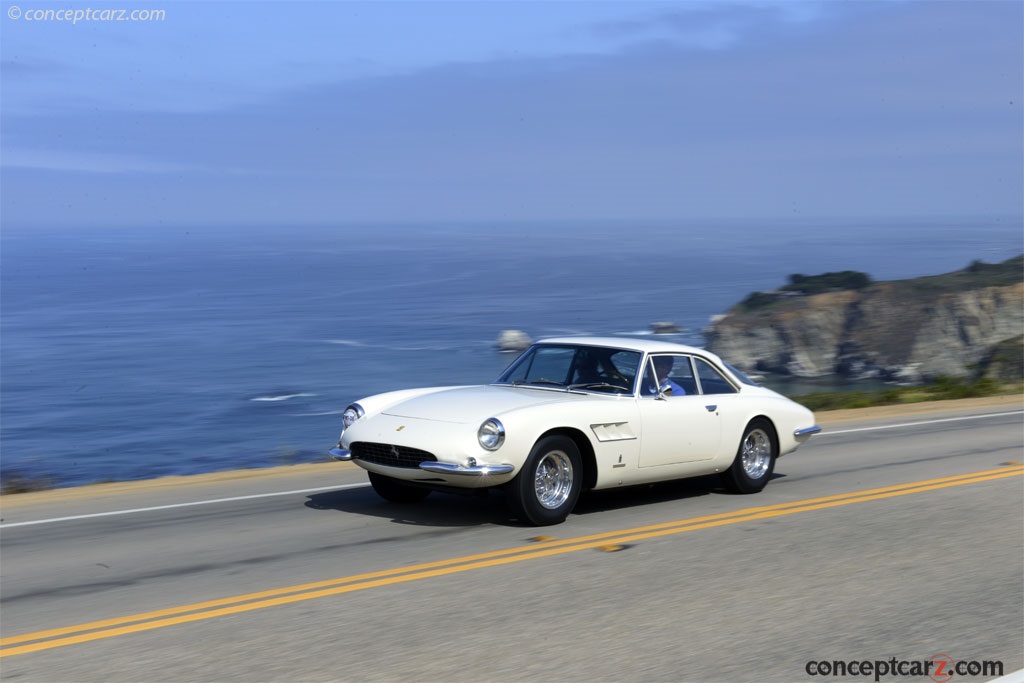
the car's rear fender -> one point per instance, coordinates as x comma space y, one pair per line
771, 424
784, 415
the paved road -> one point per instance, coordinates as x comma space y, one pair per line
879, 540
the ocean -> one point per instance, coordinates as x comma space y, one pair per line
132, 354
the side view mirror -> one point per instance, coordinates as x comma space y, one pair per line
664, 390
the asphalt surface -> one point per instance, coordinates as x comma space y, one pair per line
885, 539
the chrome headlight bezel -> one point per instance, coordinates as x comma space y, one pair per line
491, 434
351, 415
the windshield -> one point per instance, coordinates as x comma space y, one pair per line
583, 368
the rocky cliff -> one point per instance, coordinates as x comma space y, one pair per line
961, 324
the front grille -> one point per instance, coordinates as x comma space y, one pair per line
392, 456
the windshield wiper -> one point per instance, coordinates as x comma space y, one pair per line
542, 380
599, 385
545, 380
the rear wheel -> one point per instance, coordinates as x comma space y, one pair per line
396, 491
548, 485
755, 459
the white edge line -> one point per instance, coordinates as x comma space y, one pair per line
184, 505
353, 486
827, 432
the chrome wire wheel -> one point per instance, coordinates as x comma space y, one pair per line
548, 484
552, 480
756, 457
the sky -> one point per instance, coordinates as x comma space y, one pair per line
197, 113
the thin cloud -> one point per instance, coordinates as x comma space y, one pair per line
836, 114
98, 162
704, 25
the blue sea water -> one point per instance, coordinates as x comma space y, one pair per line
134, 354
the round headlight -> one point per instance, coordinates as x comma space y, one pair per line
351, 414
491, 434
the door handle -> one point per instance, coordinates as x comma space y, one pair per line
711, 409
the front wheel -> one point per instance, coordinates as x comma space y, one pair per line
547, 487
755, 459
394, 490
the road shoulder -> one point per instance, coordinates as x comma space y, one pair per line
300, 476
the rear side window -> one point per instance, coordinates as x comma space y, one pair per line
740, 375
711, 380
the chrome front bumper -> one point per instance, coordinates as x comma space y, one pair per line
343, 455
807, 431
339, 453
472, 471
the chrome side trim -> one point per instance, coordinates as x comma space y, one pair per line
474, 471
807, 431
340, 453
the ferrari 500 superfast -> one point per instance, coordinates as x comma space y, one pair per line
576, 414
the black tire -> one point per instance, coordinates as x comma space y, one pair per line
755, 459
548, 485
395, 491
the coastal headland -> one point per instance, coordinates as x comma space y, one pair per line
966, 324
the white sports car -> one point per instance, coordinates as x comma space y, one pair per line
573, 414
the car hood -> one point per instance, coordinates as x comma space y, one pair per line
472, 405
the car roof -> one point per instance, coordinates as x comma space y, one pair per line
630, 343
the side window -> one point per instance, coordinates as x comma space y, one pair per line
711, 380
676, 370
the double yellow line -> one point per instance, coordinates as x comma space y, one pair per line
147, 621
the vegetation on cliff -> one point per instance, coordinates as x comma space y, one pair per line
944, 388
975, 276
806, 285
965, 324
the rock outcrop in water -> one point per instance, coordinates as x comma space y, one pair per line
963, 324
513, 341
